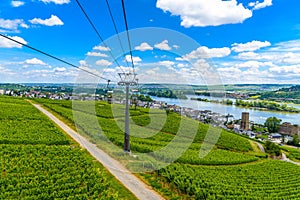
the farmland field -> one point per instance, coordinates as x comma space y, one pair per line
38, 161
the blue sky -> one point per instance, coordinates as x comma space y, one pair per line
173, 41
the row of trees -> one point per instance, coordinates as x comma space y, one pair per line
224, 101
270, 105
167, 94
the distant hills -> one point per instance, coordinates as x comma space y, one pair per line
291, 94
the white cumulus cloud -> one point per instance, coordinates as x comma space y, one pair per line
135, 59
253, 64
83, 63
17, 3
143, 47
205, 52
12, 25
59, 69
34, 61
166, 63
257, 5
206, 13
60, 2
103, 62
289, 46
5, 43
163, 45
176, 46
96, 54
101, 48
52, 21
109, 70
291, 58
6, 71
249, 55
249, 46
283, 70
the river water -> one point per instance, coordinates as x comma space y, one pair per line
257, 116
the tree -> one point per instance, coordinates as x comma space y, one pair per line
296, 141
272, 124
272, 148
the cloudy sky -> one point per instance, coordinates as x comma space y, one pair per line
175, 41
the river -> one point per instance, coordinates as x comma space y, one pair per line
257, 116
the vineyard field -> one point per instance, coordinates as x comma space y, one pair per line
230, 170
21, 123
39, 161
269, 179
41, 171
147, 137
292, 153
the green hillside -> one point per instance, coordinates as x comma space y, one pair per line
231, 170
38, 161
148, 137
291, 94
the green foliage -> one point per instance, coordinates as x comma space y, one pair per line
292, 153
51, 171
224, 101
233, 142
270, 105
272, 124
21, 123
258, 128
215, 157
38, 161
176, 94
227, 102
145, 98
295, 141
238, 180
291, 94
263, 180
151, 131
272, 148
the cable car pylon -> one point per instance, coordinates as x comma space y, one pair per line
127, 80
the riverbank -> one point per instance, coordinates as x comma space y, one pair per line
258, 104
256, 116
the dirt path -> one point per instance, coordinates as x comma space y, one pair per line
260, 147
284, 158
135, 185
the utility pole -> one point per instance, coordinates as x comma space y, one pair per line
127, 80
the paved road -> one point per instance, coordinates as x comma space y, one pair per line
135, 185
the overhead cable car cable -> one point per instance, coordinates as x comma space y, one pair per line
97, 32
116, 30
51, 56
127, 31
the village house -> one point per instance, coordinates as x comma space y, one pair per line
287, 128
275, 137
